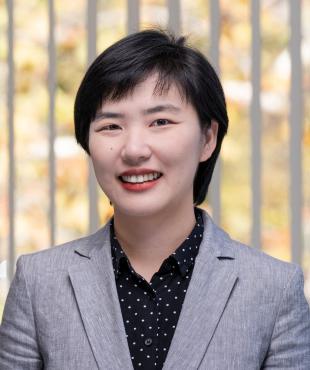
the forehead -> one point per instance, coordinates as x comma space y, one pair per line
151, 90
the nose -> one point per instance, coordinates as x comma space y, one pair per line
136, 148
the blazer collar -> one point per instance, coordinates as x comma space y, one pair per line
96, 294
212, 281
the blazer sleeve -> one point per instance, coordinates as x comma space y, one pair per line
18, 343
290, 343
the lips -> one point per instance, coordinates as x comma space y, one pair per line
138, 180
139, 176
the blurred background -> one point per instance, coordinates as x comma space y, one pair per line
261, 190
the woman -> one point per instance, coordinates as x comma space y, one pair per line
159, 286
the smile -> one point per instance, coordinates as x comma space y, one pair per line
139, 179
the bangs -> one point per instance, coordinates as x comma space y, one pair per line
121, 86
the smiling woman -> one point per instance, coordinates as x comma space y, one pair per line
160, 285
141, 129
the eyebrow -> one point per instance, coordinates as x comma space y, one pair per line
155, 109
161, 108
101, 115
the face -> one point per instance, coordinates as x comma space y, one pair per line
145, 150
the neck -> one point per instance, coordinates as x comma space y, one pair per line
149, 240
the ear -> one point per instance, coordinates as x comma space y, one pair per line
210, 139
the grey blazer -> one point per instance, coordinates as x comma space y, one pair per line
243, 310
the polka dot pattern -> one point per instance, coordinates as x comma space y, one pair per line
151, 310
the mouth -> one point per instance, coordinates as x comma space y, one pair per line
141, 178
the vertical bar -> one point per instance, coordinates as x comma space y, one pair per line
133, 16
11, 139
174, 21
255, 113
215, 186
51, 117
91, 55
296, 122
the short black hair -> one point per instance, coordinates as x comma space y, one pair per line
128, 62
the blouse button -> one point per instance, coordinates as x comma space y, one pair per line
148, 341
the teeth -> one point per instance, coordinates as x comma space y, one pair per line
141, 178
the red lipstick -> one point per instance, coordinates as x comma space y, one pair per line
139, 186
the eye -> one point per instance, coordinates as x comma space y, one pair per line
161, 122
111, 127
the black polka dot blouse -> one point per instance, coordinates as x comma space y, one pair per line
151, 310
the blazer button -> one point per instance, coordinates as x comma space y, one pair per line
148, 341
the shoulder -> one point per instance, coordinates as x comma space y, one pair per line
256, 269
62, 256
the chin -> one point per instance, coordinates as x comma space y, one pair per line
139, 210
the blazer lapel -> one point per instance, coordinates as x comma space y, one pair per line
96, 294
212, 281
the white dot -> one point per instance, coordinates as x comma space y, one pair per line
134, 328
129, 307
142, 320
150, 327
169, 290
138, 299
166, 319
175, 297
174, 312
129, 292
148, 356
144, 305
151, 313
165, 349
136, 313
184, 290
141, 349
165, 334
167, 304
